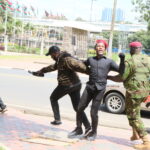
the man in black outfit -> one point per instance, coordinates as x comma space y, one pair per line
99, 67
68, 81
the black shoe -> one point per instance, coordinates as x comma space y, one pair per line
3, 109
3, 106
76, 132
91, 136
87, 130
56, 122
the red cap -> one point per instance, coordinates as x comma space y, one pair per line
135, 44
102, 41
147, 99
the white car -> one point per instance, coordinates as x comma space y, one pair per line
114, 98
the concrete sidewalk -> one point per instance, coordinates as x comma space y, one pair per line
21, 131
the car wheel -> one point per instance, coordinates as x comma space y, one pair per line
115, 103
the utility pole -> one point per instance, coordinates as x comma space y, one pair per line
42, 42
14, 30
91, 11
112, 29
5, 30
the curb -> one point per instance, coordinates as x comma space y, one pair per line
65, 116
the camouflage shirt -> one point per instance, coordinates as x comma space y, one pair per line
136, 77
67, 67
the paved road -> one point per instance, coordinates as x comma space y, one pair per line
18, 88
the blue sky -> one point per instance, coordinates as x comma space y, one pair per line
75, 8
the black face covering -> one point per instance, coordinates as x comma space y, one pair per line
132, 51
135, 50
54, 57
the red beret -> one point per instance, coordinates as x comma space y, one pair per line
102, 41
135, 44
147, 99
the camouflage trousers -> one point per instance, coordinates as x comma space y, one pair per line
133, 106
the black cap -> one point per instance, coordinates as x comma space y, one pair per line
52, 49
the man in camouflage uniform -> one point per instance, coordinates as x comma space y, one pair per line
68, 81
136, 78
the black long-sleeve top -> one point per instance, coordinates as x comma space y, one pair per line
98, 71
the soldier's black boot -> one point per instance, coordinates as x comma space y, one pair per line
76, 132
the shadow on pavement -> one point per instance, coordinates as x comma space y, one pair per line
15, 127
116, 140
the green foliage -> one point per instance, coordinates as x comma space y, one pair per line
11, 22
28, 26
92, 52
23, 49
106, 35
143, 7
3, 147
79, 19
143, 37
1, 28
23, 57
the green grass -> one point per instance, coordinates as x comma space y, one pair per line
22, 57
115, 56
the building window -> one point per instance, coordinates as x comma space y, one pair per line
73, 40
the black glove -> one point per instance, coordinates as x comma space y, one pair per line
37, 73
148, 104
122, 56
122, 64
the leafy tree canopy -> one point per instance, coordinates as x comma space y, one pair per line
106, 34
143, 37
143, 7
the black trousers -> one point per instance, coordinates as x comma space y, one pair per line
96, 96
74, 93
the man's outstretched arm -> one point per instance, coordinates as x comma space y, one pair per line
41, 72
76, 65
116, 78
